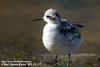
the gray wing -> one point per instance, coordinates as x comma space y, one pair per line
67, 28
78, 25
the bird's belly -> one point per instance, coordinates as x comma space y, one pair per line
56, 44
51, 42
53, 47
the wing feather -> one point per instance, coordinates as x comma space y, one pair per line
67, 28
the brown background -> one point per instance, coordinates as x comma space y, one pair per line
18, 32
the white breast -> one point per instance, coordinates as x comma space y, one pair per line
55, 42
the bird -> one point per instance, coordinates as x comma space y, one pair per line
60, 36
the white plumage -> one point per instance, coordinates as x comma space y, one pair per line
60, 36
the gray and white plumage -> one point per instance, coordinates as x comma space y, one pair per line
60, 36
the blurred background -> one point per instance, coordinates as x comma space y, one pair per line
19, 35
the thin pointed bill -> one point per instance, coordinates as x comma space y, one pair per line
38, 19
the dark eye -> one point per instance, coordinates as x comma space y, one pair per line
48, 16
51, 18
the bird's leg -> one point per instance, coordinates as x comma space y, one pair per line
55, 60
69, 60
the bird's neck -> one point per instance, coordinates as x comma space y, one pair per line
54, 23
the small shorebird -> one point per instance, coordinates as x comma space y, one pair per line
60, 36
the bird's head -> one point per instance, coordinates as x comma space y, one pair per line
50, 16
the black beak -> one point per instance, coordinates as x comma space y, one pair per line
37, 19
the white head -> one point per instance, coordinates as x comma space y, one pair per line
51, 16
